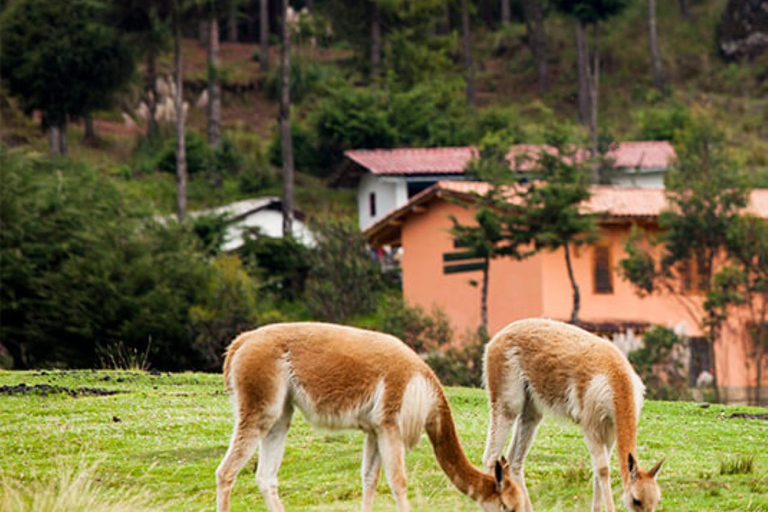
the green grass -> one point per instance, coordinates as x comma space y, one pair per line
163, 436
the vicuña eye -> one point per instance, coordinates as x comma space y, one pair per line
636, 502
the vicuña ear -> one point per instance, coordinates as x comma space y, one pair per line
655, 469
499, 471
632, 468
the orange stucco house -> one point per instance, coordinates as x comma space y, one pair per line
435, 273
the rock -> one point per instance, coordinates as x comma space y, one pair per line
743, 31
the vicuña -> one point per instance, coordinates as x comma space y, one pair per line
536, 365
345, 378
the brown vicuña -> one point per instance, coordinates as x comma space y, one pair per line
536, 365
345, 378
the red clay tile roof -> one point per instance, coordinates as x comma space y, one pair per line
453, 160
413, 161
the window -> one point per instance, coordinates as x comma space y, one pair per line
693, 275
372, 203
603, 280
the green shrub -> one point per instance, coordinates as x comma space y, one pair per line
307, 78
305, 155
462, 365
421, 331
662, 122
351, 118
282, 264
656, 364
227, 307
83, 270
431, 114
343, 278
200, 157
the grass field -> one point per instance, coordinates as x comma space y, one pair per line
159, 440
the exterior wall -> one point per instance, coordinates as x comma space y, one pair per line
390, 193
623, 303
736, 365
514, 289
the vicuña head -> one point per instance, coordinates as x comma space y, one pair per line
345, 378
535, 365
641, 491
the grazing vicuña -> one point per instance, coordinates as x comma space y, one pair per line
345, 378
535, 365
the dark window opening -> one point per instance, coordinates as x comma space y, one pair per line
372, 204
602, 270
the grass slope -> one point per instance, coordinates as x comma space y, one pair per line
162, 438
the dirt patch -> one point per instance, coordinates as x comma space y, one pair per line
47, 389
747, 416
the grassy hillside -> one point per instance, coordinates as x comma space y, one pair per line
160, 439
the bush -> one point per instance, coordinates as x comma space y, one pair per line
657, 364
343, 278
663, 122
419, 330
281, 263
200, 157
463, 365
81, 270
305, 155
351, 118
431, 114
227, 307
307, 78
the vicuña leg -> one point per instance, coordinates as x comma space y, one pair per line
525, 431
392, 452
270, 458
602, 474
244, 440
371, 470
498, 431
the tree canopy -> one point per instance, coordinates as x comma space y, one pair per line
61, 58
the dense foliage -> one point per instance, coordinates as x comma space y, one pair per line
46, 44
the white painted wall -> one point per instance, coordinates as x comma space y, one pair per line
391, 193
270, 223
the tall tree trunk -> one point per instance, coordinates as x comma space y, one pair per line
214, 84
63, 139
89, 133
484, 297
711, 347
264, 34
658, 73
375, 41
594, 93
153, 129
537, 40
202, 32
506, 11
285, 125
232, 22
582, 64
54, 140
181, 153
469, 68
574, 286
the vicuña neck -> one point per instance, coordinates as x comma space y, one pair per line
625, 417
450, 455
